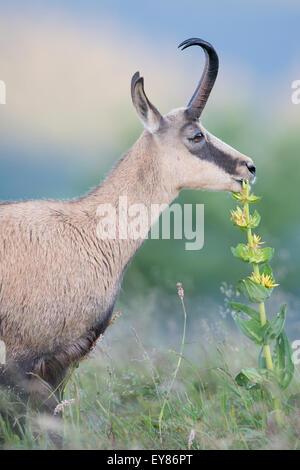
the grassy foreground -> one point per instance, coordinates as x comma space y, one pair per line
116, 396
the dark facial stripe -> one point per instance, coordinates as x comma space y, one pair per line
208, 152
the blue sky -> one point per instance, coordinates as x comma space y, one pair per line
264, 34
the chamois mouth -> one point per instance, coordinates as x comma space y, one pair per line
240, 180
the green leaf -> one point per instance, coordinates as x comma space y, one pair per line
265, 254
283, 363
242, 380
249, 378
275, 326
252, 199
251, 328
252, 255
253, 374
243, 229
262, 363
238, 252
255, 292
267, 270
242, 198
236, 195
245, 309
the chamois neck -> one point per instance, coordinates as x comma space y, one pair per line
138, 177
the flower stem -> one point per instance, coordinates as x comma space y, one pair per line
262, 311
166, 398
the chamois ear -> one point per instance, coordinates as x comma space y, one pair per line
149, 115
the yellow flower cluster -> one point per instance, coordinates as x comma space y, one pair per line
256, 241
263, 279
239, 217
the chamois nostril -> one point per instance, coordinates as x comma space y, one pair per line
251, 168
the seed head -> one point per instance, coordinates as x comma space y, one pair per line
191, 438
114, 318
62, 405
180, 290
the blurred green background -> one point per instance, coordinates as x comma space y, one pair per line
68, 119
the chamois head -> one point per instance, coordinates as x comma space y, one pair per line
190, 156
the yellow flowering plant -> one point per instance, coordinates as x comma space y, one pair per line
274, 367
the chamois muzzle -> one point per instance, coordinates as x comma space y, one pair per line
207, 80
252, 169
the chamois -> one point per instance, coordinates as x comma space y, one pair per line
58, 279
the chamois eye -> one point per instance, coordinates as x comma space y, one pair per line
197, 137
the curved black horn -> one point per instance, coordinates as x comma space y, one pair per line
208, 78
